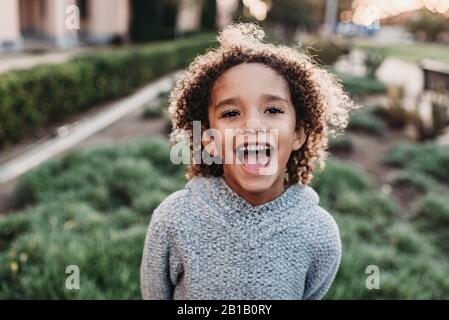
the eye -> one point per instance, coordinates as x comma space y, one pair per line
274, 110
229, 113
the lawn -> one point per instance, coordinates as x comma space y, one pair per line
91, 209
413, 52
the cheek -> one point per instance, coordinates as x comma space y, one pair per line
285, 134
285, 144
222, 140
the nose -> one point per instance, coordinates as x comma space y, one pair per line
254, 123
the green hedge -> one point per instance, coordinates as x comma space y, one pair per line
31, 99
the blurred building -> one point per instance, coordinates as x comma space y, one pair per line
27, 24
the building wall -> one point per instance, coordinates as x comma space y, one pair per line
29, 14
189, 15
107, 19
225, 12
9, 25
54, 23
46, 20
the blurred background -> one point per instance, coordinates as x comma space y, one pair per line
84, 155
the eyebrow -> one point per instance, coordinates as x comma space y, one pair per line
273, 97
234, 100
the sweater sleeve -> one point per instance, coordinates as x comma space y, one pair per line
155, 280
326, 248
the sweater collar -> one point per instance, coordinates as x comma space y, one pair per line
215, 191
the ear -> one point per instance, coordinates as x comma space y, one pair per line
299, 138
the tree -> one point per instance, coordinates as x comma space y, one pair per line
153, 19
431, 25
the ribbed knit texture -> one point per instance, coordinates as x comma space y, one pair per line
207, 242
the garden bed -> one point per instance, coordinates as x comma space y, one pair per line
91, 208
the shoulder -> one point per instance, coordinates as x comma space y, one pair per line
171, 210
320, 223
173, 202
324, 222
325, 234
180, 209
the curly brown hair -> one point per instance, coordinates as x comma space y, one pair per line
321, 104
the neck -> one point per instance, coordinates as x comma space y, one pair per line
258, 198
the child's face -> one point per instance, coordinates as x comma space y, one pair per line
250, 98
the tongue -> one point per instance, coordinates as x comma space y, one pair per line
254, 162
254, 167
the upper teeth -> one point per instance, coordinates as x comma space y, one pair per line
255, 147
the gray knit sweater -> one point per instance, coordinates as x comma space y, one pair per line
207, 242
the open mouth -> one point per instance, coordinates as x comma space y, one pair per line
254, 156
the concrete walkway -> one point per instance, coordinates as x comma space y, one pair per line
69, 136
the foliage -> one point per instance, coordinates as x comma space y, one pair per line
341, 143
326, 52
366, 120
32, 99
373, 60
411, 262
426, 158
91, 209
428, 26
358, 86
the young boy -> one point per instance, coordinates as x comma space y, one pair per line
249, 228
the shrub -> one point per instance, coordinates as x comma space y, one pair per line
410, 266
358, 86
342, 143
64, 234
32, 99
395, 114
439, 121
373, 60
152, 112
368, 204
106, 177
408, 240
427, 25
399, 156
433, 209
428, 158
327, 52
432, 216
366, 121
338, 178
420, 181
103, 233
90, 209
12, 227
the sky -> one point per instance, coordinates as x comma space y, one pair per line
369, 11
